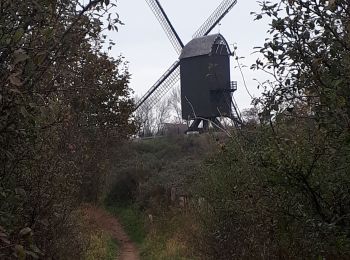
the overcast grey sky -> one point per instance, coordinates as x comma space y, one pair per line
144, 44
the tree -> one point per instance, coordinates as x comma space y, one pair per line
282, 190
251, 116
152, 118
64, 104
175, 104
146, 120
308, 55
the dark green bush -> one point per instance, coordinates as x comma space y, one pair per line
268, 197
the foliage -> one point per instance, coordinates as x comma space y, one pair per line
152, 118
281, 188
142, 181
164, 238
308, 56
274, 202
148, 169
132, 220
63, 105
102, 247
169, 237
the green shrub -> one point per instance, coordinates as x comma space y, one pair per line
267, 196
132, 220
101, 246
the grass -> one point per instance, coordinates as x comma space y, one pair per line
167, 239
162, 240
112, 249
101, 246
132, 220
157, 164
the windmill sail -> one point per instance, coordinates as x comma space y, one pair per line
215, 18
160, 88
166, 24
172, 75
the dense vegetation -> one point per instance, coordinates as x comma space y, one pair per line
276, 188
152, 192
64, 105
280, 188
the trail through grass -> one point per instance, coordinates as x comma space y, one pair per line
132, 220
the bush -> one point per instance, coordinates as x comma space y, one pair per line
170, 237
101, 246
268, 197
132, 219
55, 139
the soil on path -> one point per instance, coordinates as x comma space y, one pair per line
110, 224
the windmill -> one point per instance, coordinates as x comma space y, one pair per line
204, 69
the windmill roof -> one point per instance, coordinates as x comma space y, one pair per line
202, 46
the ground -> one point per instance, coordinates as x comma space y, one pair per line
110, 224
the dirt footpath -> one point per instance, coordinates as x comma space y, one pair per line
107, 222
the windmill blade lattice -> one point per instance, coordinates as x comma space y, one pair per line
166, 24
215, 18
172, 75
160, 88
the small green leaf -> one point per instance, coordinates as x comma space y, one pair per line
35, 249
332, 5
40, 58
15, 81
258, 17
32, 254
20, 252
5, 240
15, 90
21, 191
18, 35
20, 56
25, 231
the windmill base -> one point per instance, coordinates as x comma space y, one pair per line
206, 124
